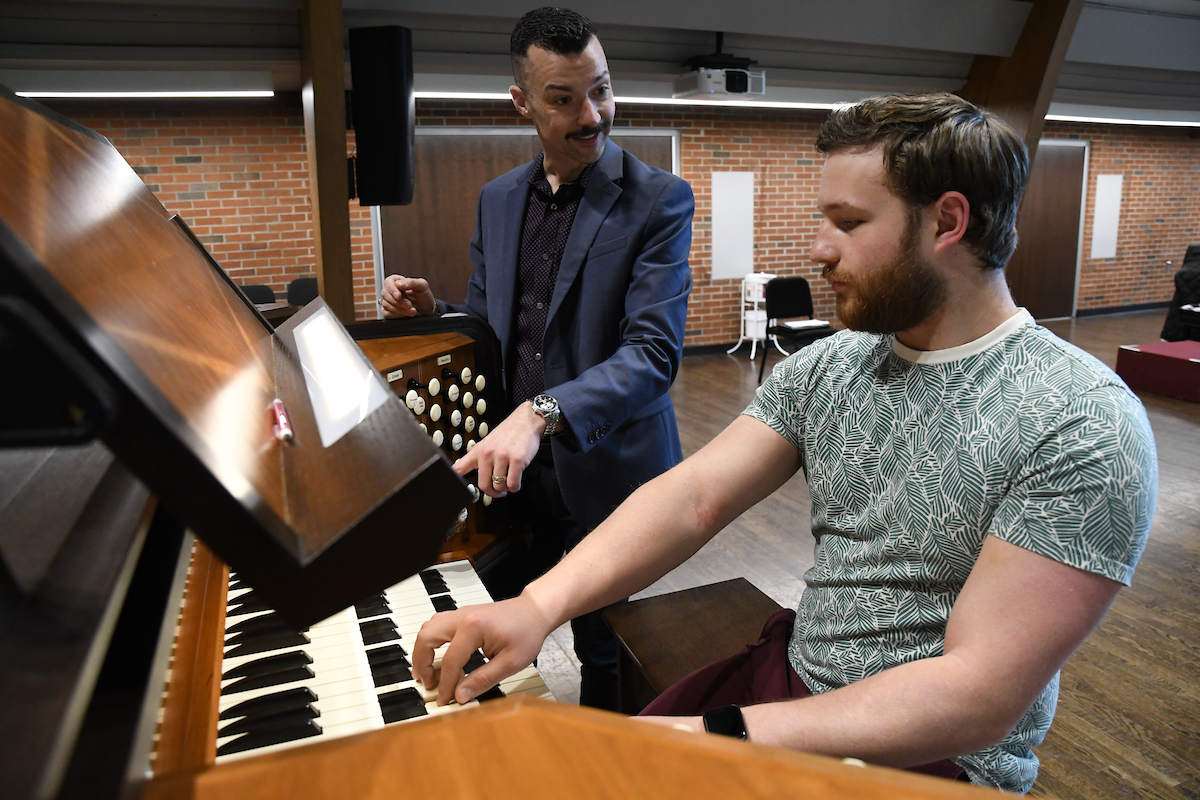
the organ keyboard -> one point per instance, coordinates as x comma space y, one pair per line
282, 688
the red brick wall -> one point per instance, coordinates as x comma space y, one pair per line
237, 172
1160, 209
775, 145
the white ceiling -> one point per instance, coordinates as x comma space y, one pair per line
1139, 55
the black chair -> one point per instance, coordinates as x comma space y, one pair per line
302, 291
1179, 324
787, 298
258, 293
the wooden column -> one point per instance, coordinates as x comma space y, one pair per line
324, 96
1019, 87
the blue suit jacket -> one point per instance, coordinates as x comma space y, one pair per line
614, 329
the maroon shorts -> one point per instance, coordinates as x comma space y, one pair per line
759, 673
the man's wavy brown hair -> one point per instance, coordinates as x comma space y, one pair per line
937, 143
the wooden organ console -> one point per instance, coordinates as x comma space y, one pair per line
446, 371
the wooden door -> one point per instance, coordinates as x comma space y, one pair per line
1042, 271
430, 237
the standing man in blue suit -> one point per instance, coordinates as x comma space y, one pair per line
581, 269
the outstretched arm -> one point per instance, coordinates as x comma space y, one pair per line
662, 524
1018, 618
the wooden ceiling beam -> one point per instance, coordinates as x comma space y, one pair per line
323, 93
1019, 86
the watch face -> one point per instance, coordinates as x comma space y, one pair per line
726, 720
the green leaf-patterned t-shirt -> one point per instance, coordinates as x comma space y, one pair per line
913, 458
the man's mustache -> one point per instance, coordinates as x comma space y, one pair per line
584, 133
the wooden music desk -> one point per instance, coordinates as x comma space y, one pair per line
666, 637
529, 749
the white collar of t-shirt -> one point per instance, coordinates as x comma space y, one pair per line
1009, 326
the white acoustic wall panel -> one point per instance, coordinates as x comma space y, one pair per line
1107, 216
732, 224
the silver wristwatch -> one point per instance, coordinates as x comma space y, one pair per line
546, 407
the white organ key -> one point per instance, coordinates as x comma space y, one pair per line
410, 398
435, 412
470, 444
456, 443
452, 392
483, 428
419, 406
468, 400
435, 386
469, 424
465, 375
438, 438
456, 417
481, 407
480, 382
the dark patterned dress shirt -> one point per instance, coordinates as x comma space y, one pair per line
548, 219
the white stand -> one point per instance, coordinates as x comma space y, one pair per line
753, 318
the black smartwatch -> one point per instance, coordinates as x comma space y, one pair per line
727, 721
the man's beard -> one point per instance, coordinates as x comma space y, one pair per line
899, 296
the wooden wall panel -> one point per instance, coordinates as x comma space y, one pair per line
1041, 273
430, 237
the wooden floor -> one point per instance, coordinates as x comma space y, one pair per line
1128, 722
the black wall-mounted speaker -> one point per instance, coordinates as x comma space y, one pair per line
384, 113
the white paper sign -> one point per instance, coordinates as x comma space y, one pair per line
1107, 216
732, 224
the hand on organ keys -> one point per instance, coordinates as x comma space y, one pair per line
510, 633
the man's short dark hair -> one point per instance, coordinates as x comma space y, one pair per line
558, 30
937, 143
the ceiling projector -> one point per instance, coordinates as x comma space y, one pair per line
719, 75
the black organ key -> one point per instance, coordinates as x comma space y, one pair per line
372, 607
474, 662
443, 603
391, 673
401, 704
248, 603
273, 679
284, 719
389, 665
263, 643
377, 631
434, 582
494, 693
265, 666
388, 654
274, 703
262, 622
253, 741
